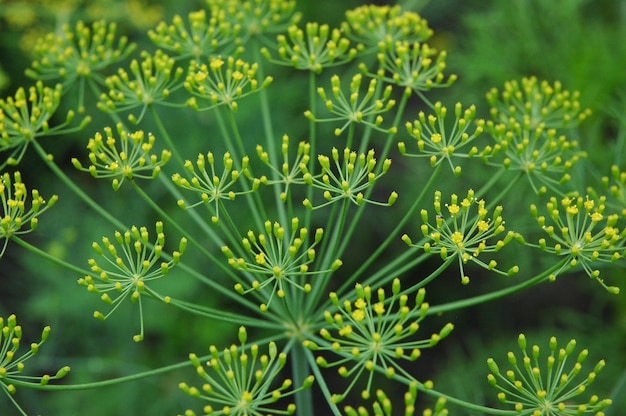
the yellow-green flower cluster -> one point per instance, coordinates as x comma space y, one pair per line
17, 217
383, 405
351, 176
124, 159
155, 78
128, 272
533, 388
536, 104
411, 65
26, 116
355, 107
463, 233
370, 25
582, 232
527, 125
241, 381
288, 173
204, 37
12, 364
211, 187
312, 52
222, 82
439, 143
255, 18
277, 260
374, 333
79, 54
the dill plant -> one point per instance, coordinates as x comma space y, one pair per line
277, 213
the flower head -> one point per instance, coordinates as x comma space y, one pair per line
583, 233
222, 82
312, 52
276, 260
78, 55
203, 38
17, 217
241, 381
371, 25
439, 143
352, 175
26, 116
155, 78
127, 273
374, 333
12, 364
536, 104
526, 126
535, 390
355, 107
465, 233
411, 66
253, 18
288, 173
128, 158
214, 188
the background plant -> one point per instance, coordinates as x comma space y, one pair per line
249, 186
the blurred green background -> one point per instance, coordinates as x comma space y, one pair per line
581, 43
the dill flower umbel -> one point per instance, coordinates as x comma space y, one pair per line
241, 381
439, 143
351, 176
535, 387
314, 51
26, 116
222, 82
126, 158
212, 186
464, 235
583, 233
355, 107
79, 54
375, 332
155, 78
276, 260
129, 272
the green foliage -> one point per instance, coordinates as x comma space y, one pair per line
296, 251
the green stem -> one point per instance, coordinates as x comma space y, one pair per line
320, 381
165, 136
74, 188
50, 257
300, 370
465, 303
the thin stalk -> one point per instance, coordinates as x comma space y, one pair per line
165, 136
320, 381
465, 303
50, 257
74, 188
300, 370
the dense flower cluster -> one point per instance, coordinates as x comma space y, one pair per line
464, 235
124, 159
240, 381
128, 273
533, 388
375, 332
